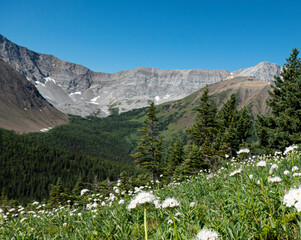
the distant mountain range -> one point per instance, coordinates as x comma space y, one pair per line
75, 89
22, 107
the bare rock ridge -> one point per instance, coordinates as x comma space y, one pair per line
22, 107
77, 90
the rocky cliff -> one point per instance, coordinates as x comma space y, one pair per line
77, 90
22, 107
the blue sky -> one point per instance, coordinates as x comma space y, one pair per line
110, 36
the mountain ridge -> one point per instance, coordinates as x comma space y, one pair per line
78, 90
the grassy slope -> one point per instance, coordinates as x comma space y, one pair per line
234, 205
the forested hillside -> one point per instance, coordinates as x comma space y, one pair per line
28, 167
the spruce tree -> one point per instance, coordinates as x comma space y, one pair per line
282, 126
202, 134
149, 149
175, 157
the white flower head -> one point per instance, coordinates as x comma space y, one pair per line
83, 191
142, 198
296, 174
242, 151
121, 201
293, 198
236, 172
286, 172
207, 234
192, 204
275, 180
251, 176
261, 164
290, 149
295, 168
170, 203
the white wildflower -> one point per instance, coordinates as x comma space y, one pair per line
79, 214
251, 176
296, 174
170, 203
295, 168
142, 198
275, 179
83, 191
244, 150
261, 164
207, 234
236, 172
65, 224
286, 172
157, 203
290, 149
132, 205
192, 204
169, 221
23, 219
121, 201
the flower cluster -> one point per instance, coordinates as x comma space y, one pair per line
293, 198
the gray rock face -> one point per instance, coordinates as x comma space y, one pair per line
264, 71
77, 90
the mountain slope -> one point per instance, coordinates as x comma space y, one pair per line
22, 108
77, 90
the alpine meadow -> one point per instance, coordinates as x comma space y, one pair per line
208, 166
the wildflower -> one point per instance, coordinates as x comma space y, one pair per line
290, 149
251, 176
286, 172
227, 156
236, 172
275, 179
65, 224
297, 175
261, 164
79, 214
207, 234
157, 203
1, 211
177, 214
295, 168
121, 201
35, 203
293, 198
244, 150
170, 221
83, 191
192, 204
23, 219
170, 203
142, 198
12, 210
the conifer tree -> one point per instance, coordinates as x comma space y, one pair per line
202, 134
282, 126
175, 157
149, 150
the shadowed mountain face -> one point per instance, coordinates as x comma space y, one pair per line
77, 90
22, 107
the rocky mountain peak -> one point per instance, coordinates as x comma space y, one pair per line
75, 89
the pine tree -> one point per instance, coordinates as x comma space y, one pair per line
234, 127
149, 150
175, 157
203, 133
282, 126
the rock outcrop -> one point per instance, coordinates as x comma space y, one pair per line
77, 90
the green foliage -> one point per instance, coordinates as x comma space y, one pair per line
29, 166
282, 127
149, 149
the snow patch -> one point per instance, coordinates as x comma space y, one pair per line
93, 100
76, 93
157, 98
49, 79
25, 109
45, 129
39, 83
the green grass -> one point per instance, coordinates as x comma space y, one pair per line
237, 207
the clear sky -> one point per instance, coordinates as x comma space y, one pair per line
110, 36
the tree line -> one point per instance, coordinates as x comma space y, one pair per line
218, 135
